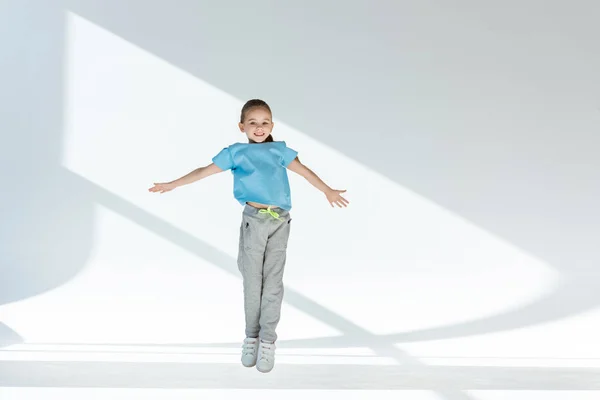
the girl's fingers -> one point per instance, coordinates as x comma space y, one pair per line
342, 201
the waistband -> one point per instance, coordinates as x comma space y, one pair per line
275, 212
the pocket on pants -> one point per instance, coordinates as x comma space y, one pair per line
279, 241
245, 242
246, 235
249, 251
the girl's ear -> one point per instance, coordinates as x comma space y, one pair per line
241, 126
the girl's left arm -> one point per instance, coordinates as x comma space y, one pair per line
333, 196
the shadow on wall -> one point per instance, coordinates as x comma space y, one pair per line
507, 167
539, 197
416, 92
8, 336
46, 229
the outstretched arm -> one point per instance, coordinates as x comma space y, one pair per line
195, 175
333, 195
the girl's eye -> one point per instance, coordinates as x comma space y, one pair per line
252, 123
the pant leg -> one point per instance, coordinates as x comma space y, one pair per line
253, 242
274, 264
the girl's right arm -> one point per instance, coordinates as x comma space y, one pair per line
195, 175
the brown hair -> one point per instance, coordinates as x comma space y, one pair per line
251, 104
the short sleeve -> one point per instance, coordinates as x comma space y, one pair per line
223, 160
288, 155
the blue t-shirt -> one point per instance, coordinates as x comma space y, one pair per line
259, 172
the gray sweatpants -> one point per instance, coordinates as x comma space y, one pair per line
261, 260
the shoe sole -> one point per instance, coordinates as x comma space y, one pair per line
264, 371
250, 365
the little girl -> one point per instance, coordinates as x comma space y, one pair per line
261, 185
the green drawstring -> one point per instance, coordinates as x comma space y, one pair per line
270, 212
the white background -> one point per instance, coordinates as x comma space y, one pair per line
466, 136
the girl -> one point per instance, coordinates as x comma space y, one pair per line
261, 185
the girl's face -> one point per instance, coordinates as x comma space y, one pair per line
257, 124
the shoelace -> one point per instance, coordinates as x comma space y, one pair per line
266, 352
249, 348
270, 212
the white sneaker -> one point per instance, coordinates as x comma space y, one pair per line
249, 352
266, 357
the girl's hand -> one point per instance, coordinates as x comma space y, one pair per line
334, 197
162, 187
